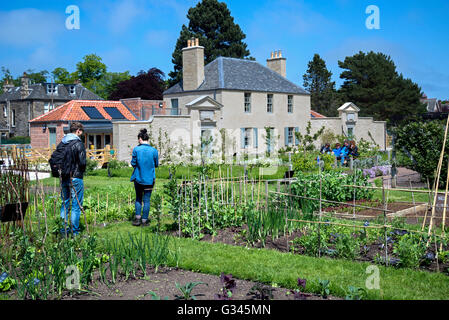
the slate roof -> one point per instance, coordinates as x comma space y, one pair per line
39, 92
432, 105
239, 74
72, 111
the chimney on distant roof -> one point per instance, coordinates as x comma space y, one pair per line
7, 86
277, 63
24, 91
192, 65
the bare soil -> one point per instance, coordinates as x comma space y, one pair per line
163, 285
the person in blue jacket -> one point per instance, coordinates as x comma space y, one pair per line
345, 151
339, 152
145, 160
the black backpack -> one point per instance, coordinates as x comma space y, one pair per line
62, 159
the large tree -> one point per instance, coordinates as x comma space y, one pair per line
211, 22
374, 85
318, 81
90, 69
146, 85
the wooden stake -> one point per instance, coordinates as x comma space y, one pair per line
437, 184
445, 207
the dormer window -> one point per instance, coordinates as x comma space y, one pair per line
52, 89
72, 90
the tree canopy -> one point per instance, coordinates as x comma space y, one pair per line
374, 85
211, 22
318, 81
146, 85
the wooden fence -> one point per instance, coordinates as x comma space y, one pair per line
42, 155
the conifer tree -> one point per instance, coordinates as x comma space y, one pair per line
211, 22
318, 82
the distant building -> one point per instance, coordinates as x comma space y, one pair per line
18, 105
96, 116
432, 105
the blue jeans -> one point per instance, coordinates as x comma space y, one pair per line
69, 197
143, 194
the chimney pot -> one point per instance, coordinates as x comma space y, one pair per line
197, 42
280, 54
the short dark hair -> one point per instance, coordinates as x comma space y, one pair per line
75, 126
143, 134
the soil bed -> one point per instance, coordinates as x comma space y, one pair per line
163, 285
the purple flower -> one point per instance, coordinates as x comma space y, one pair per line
302, 283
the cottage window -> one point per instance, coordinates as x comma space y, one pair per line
47, 107
246, 137
5, 111
290, 104
13, 116
290, 136
247, 102
270, 103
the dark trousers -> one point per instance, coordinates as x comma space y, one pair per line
143, 194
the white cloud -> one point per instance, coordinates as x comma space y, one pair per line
30, 27
124, 13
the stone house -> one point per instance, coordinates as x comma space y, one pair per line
233, 107
18, 105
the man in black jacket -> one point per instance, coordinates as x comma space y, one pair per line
72, 188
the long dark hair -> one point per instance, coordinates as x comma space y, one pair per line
143, 134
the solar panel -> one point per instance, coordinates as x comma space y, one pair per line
114, 113
92, 113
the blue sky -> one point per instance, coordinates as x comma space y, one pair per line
137, 35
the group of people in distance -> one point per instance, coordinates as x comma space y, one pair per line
342, 153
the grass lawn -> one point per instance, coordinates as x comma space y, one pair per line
283, 269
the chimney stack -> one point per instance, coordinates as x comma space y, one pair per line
24, 92
277, 63
192, 65
7, 86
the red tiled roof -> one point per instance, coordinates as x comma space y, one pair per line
71, 111
315, 114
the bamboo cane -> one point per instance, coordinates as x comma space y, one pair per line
437, 184
443, 222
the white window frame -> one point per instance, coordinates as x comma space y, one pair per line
247, 138
5, 111
52, 89
291, 136
290, 103
13, 118
247, 102
270, 99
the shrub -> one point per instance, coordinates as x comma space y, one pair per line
115, 164
91, 166
410, 250
423, 141
303, 162
332, 187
